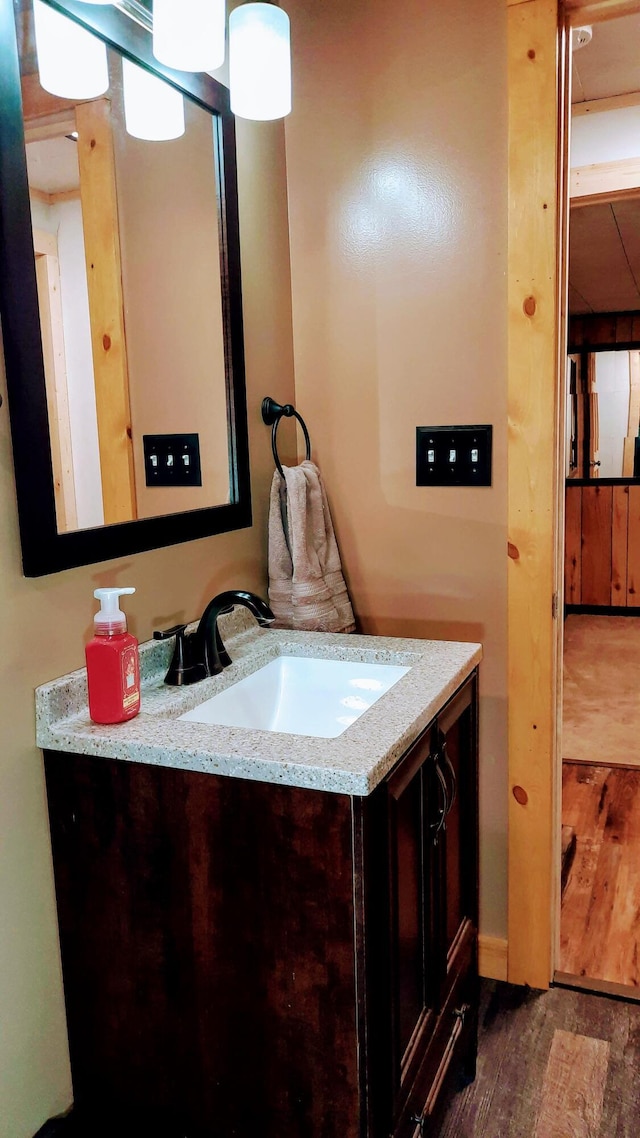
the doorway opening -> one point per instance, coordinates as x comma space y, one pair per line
600, 890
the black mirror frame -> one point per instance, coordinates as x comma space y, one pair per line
44, 550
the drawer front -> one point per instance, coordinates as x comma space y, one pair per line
454, 1040
461, 957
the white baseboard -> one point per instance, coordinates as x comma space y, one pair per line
492, 957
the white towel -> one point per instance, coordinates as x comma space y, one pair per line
306, 586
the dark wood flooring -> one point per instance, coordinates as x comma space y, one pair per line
556, 1064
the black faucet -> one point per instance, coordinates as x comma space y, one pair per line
202, 653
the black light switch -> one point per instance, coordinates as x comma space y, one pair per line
453, 456
172, 460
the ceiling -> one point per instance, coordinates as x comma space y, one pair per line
610, 64
604, 239
52, 165
604, 257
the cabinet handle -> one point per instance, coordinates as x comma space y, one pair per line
451, 769
459, 1016
461, 1013
440, 824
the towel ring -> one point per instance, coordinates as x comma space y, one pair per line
272, 413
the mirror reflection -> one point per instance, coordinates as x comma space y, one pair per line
127, 248
603, 415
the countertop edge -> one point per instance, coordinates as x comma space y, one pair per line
353, 763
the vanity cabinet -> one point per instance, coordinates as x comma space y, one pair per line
243, 958
425, 842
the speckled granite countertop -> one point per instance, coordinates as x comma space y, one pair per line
353, 763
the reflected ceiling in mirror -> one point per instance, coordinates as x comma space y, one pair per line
137, 331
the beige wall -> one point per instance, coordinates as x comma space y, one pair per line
396, 163
45, 623
396, 170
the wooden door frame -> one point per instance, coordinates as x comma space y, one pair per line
537, 320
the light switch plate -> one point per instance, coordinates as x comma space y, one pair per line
453, 456
172, 460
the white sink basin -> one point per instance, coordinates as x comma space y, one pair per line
298, 695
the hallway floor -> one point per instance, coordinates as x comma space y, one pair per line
600, 919
601, 712
556, 1064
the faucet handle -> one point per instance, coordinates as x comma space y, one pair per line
176, 631
183, 669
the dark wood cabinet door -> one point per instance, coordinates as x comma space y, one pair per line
432, 897
456, 757
207, 933
416, 804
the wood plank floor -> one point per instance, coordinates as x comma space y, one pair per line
601, 706
556, 1064
600, 921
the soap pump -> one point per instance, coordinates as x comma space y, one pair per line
113, 669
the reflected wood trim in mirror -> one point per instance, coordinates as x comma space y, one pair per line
55, 370
96, 161
40, 459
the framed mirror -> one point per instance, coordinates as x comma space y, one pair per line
121, 305
603, 398
603, 415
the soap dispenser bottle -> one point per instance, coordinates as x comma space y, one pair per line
113, 670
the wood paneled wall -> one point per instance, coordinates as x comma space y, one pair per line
602, 545
604, 330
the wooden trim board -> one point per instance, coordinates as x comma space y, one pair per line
613, 103
604, 987
96, 160
54, 198
492, 957
533, 302
620, 178
603, 198
534, 256
580, 12
55, 370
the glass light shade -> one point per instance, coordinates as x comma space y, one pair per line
152, 109
72, 63
189, 34
260, 61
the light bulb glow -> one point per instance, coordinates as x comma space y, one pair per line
260, 61
152, 109
71, 61
189, 34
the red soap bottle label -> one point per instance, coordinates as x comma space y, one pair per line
130, 678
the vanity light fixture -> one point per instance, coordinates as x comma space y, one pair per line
189, 35
72, 63
260, 61
152, 109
